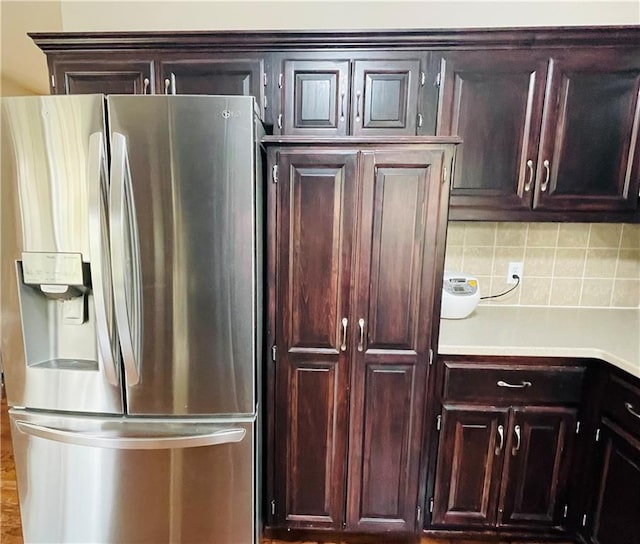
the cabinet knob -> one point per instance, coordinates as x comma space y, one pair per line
167, 85
145, 85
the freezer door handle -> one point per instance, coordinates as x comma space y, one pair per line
125, 259
99, 248
121, 441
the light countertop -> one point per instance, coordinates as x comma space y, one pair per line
610, 334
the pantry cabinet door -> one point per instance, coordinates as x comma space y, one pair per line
389, 337
316, 203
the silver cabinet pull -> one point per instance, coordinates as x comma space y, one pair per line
420, 120
342, 107
358, 95
514, 450
501, 437
631, 410
345, 322
520, 385
145, 85
527, 185
167, 85
361, 342
547, 173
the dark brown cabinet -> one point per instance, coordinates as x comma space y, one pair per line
356, 251
615, 510
126, 75
504, 458
337, 95
204, 74
528, 141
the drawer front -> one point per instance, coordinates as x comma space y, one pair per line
622, 403
509, 383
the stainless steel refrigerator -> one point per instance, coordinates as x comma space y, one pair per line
131, 315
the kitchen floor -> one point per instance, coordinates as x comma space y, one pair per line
11, 531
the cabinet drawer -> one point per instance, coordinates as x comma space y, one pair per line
498, 382
622, 403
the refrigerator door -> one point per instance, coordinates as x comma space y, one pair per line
59, 344
184, 243
114, 480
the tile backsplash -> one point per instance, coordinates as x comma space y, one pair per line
565, 264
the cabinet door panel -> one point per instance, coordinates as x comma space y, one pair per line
385, 96
537, 464
592, 159
616, 519
469, 465
315, 222
315, 97
390, 341
494, 102
121, 76
218, 76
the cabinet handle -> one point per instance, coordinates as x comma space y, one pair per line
342, 107
358, 95
527, 186
631, 410
420, 120
547, 173
167, 85
361, 325
520, 385
501, 437
145, 85
514, 450
345, 322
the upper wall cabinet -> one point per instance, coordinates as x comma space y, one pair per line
547, 131
207, 74
339, 94
168, 73
108, 74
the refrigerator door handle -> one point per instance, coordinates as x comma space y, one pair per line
123, 442
125, 259
100, 265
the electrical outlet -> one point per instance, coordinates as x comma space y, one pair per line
515, 269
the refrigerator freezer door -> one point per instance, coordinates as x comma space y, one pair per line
191, 165
59, 345
114, 480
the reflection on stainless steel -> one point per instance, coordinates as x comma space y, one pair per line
125, 259
173, 494
192, 170
50, 346
157, 259
100, 262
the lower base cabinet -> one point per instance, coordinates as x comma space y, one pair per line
503, 467
506, 439
615, 512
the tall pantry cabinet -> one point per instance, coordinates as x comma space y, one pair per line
357, 249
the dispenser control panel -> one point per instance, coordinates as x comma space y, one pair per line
39, 268
461, 286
